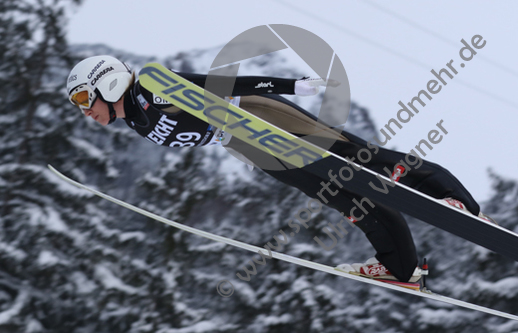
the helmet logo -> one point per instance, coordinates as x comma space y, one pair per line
101, 73
72, 78
92, 72
113, 84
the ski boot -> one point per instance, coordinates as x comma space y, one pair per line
373, 269
458, 204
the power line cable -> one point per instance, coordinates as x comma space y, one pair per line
438, 36
391, 51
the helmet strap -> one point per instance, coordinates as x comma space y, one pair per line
111, 109
113, 114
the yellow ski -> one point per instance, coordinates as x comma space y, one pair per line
217, 112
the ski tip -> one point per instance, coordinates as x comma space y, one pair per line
63, 177
54, 170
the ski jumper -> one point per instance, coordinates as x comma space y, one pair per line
385, 228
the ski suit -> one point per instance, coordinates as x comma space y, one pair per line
385, 228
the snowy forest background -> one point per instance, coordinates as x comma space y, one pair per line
70, 262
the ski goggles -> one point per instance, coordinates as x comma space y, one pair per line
83, 97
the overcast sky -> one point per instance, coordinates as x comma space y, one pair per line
388, 50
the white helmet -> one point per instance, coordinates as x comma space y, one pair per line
100, 76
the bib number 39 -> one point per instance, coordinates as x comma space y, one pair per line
186, 139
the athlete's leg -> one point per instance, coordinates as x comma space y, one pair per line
384, 227
424, 176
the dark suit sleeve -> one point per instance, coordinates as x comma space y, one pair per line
241, 85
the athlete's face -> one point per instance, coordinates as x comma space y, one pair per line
99, 112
